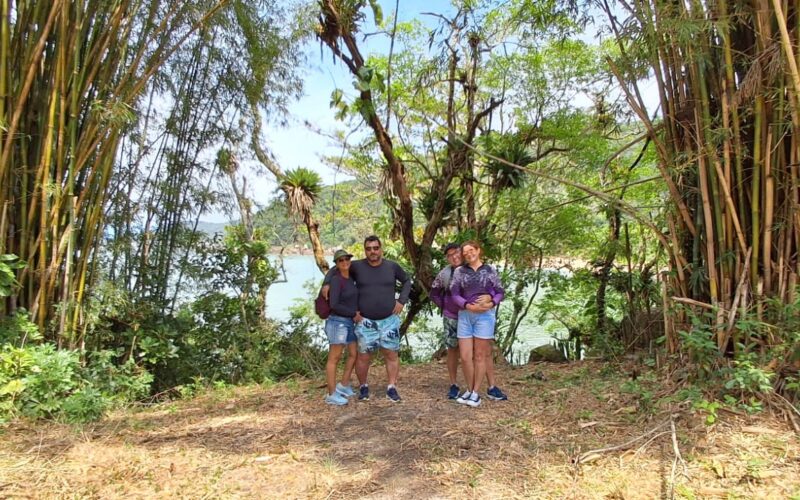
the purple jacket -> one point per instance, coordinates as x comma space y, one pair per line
440, 293
467, 285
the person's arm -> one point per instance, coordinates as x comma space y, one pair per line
482, 304
405, 288
326, 283
496, 288
455, 290
437, 291
405, 283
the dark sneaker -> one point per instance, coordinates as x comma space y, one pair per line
363, 393
392, 395
463, 398
474, 400
496, 394
453, 393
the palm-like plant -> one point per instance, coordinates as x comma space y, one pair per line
452, 202
301, 188
510, 149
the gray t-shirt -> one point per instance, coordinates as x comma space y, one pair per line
376, 285
344, 296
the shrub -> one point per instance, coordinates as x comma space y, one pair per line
41, 381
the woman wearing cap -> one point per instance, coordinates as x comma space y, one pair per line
340, 329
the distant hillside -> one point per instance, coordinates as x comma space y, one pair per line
212, 228
346, 213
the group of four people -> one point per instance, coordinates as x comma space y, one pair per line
365, 318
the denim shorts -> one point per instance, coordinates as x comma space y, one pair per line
476, 325
379, 334
450, 332
340, 330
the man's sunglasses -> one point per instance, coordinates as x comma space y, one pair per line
378, 247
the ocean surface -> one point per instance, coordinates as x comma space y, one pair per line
302, 272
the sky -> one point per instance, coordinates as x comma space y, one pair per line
296, 145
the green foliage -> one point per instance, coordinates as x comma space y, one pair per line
747, 377
510, 149
17, 329
569, 302
304, 180
742, 376
41, 381
345, 211
641, 391
452, 204
699, 344
8, 282
710, 407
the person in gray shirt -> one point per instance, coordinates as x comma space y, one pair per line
341, 330
377, 320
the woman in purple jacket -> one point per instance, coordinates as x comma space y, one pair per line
476, 321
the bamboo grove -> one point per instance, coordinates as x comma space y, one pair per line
70, 75
727, 86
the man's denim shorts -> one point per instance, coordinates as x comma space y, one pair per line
476, 325
340, 330
382, 333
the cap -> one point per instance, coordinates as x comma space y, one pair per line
341, 253
451, 246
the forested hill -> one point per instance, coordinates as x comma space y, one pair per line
346, 212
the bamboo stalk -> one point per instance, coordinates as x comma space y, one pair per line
791, 59
769, 201
20, 99
755, 191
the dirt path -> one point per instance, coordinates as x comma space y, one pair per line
283, 442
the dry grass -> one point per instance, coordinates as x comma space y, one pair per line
283, 442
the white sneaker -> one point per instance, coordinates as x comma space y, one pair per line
474, 400
464, 397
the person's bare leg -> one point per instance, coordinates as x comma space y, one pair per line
452, 364
362, 367
490, 367
352, 354
467, 364
392, 360
334, 354
483, 349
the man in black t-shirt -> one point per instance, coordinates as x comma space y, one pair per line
377, 320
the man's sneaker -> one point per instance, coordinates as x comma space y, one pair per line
453, 392
345, 390
463, 398
336, 399
474, 400
391, 394
494, 393
363, 393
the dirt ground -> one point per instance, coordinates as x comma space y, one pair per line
282, 441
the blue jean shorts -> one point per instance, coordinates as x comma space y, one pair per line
374, 334
340, 330
476, 325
